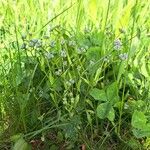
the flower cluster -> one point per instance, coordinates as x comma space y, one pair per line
123, 56
63, 53
72, 43
117, 44
87, 30
70, 82
37, 43
58, 72
62, 42
33, 42
52, 44
82, 49
49, 55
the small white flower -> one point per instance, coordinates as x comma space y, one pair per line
72, 43
52, 44
59, 72
31, 44
81, 50
117, 44
38, 44
65, 63
71, 94
63, 53
34, 41
106, 59
24, 46
49, 55
91, 62
72, 81
62, 42
123, 56
64, 100
78, 68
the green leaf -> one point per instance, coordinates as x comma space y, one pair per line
15, 137
98, 94
21, 144
121, 70
60, 136
90, 103
133, 143
105, 110
141, 133
111, 114
93, 53
138, 120
144, 68
53, 147
89, 118
112, 92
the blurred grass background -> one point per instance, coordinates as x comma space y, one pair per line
33, 14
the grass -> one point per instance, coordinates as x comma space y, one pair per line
74, 75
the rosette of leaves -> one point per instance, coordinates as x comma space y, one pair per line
107, 98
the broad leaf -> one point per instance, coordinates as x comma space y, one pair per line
112, 92
138, 120
111, 114
98, 94
93, 53
105, 110
21, 144
141, 133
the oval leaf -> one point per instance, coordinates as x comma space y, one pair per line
21, 144
138, 120
98, 94
105, 110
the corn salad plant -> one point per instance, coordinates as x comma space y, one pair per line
74, 74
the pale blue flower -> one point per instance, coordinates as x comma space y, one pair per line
38, 44
24, 46
63, 53
64, 63
49, 55
52, 44
123, 56
81, 50
33, 42
117, 44
62, 42
72, 43
59, 72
